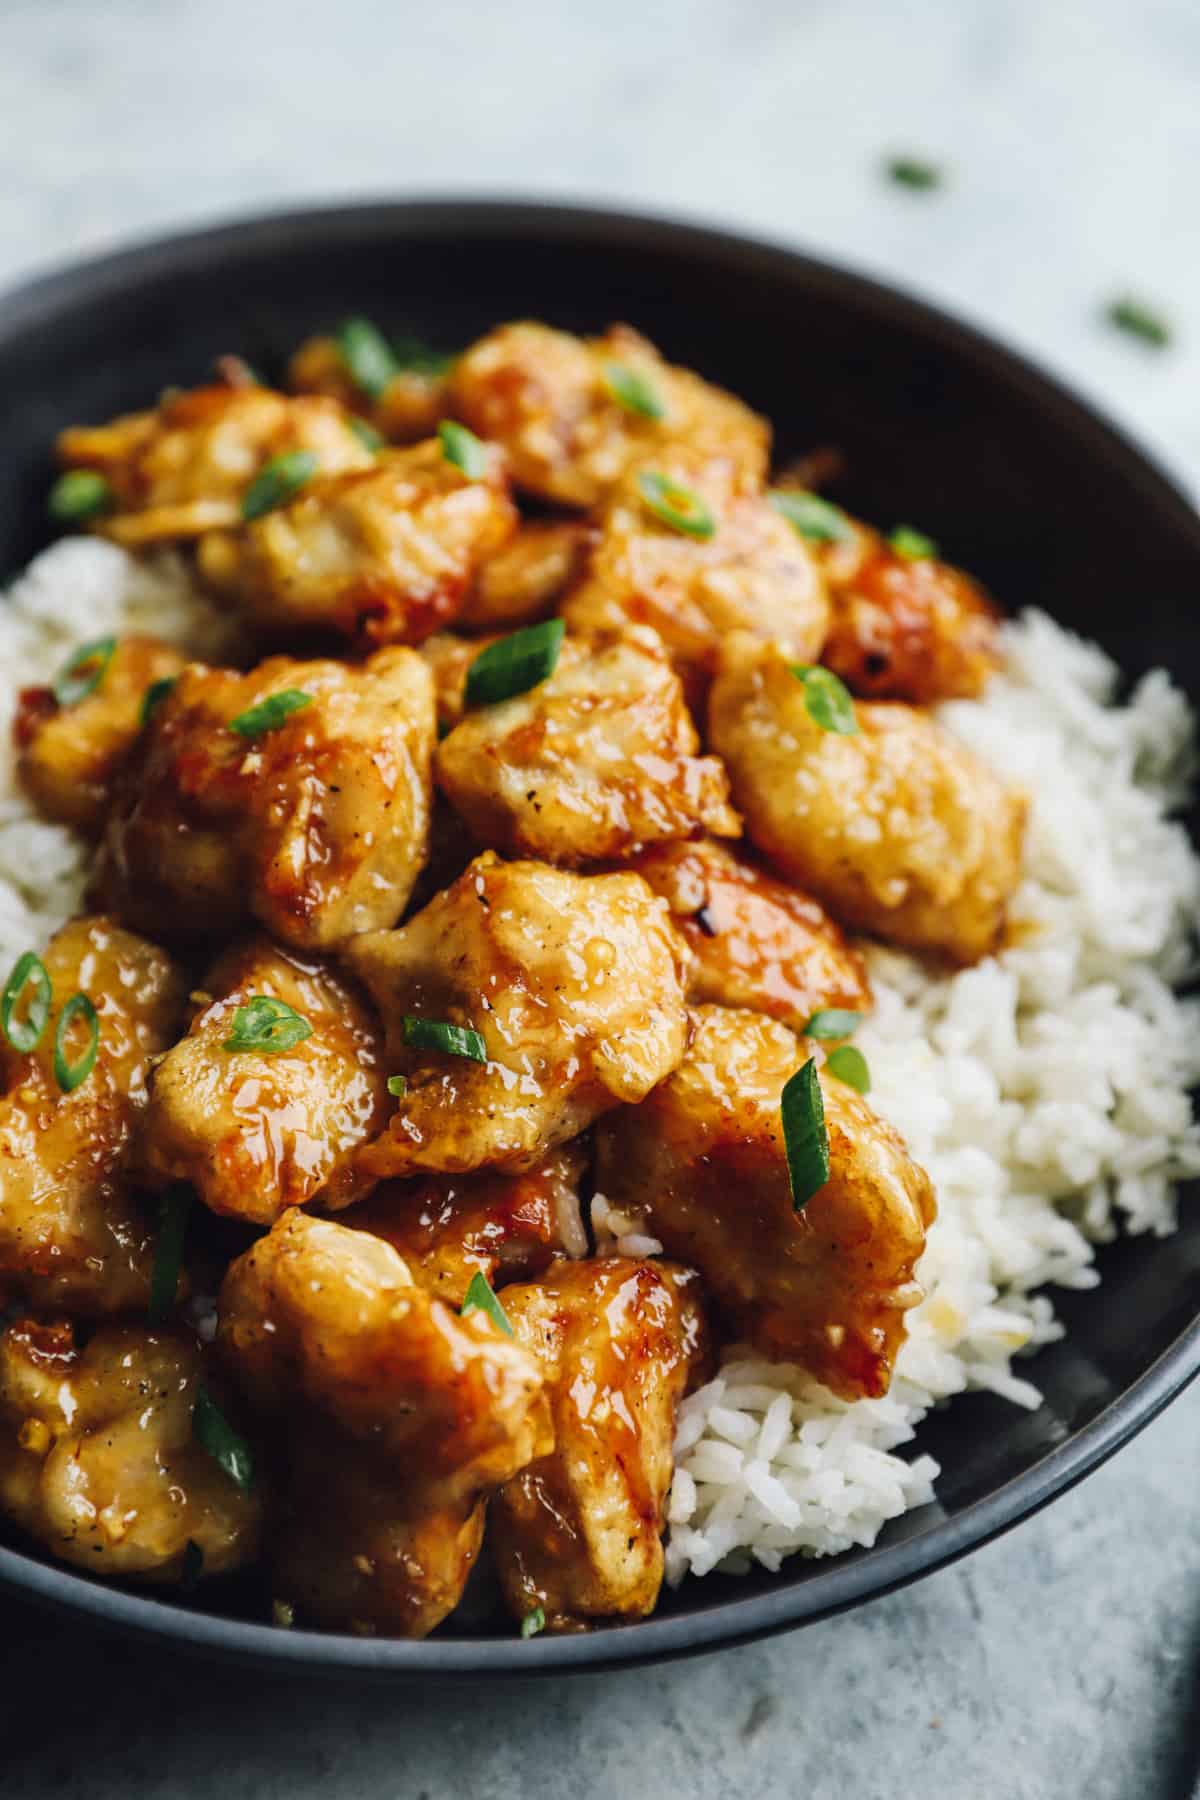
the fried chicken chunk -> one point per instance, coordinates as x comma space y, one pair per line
579, 1532
592, 764
898, 828
522, 582
68, 751
574, 984
298, 794
406, 410
98, 1458
752, 573
703, 1162
393, 1417
384, 554
184, 468
70, 1233
258, 1130
755, 942
554, 402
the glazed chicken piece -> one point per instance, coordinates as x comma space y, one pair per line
183, 468
68, 752
393, 1419
450, 1228
579, 1532
898, 828
591, 764
574, 984
408, 408
753, 573
755, 942
258, 1130
298, 794
384, 554
703, 1163
553, 401
524, 580
99, 1461
71, 1234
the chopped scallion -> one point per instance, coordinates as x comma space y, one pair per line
850, 1066
368, 437
1131, 316
72, 1074
435, 1034
677, 506
816, 519
26, 1034
912, 172
154, 696
514, 664
168, 1252
827, 699
278, 482
397, 1086
268, 1026
462, 448
79, 494
802, 1112
832, 1022
270, 713
635, 391
367, 356
914, 546
82, 674
481, 1298
533, 1622
214, 1433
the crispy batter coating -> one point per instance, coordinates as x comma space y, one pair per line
703, 1161
253, 1131
183, 468
407, 410
70, 1232
522, 582
755, 941
316, 826
68, 756
899, 829
753, 574
384, 554
579, 1532
589, 765
549, 398
98, 1460
574, 983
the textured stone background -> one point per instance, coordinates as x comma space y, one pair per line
1063, 1661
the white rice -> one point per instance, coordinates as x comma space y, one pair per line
1046, 1091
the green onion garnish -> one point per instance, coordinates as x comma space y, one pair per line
84, 672
368, 437
1139, 321
278, 481
267, 1025
802, 1112
26, 1034
636, 392
827, 699
168, 1253
416, 357
914, 546
213, 1432
397, 1086
434, 1034
270, 713
514, 664
462, 448
850, 1066
816, 519
676, 505
154, 696
480, 1298
367, 356
193, 1566
911, 172
832, 1022
79, 494
70, 1075
533, 1622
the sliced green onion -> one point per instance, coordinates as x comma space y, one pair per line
481, 1298
827, 699
816, 519
84, 672
914, 546
850, 1066
367, 356
193, 1566
805, 1138
270, 713
154, 696
79, 494
397, 1086
415, 357
70, 1075
533, 1622
213, 1432
267, 1025
25, 1035
278, 481
1139, 321
168, 1253
636, 392
368, 437
433, 1034
514, 664
676, 505
832, 1022
462, 448
911, 172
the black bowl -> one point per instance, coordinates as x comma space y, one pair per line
942, 429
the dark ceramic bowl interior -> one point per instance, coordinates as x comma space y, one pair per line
942, 429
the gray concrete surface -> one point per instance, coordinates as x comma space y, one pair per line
1063, 1661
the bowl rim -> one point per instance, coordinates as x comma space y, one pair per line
840, 1584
